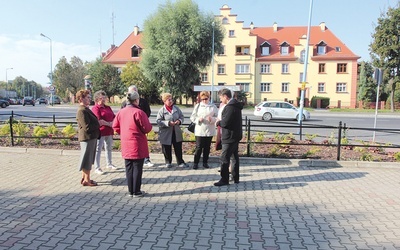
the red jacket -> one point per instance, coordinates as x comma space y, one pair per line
133, 124
104, 113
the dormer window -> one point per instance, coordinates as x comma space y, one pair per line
225, 20
135, 51
302, 56
285, 48
321, 48
338, 49
265, 49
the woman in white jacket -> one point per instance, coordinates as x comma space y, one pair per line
204, 116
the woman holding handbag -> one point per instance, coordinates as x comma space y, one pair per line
204, 116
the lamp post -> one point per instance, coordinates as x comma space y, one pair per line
51, 67
212, 64
7, 82
303, 84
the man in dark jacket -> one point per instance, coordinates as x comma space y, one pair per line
143, 105
232, 132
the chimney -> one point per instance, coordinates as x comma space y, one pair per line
275, 26
136, 30
322, 26
251, 26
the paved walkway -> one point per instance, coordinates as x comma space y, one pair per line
282, 206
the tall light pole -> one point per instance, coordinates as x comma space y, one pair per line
7, 82
303, 84
51, 67
212, 64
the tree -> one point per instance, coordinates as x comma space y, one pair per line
385, 48
132, 75
106, 77
68, 77
367, 86
178, 43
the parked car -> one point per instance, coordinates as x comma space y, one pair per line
42, 100
12, 101
4, 103
56, 100
28, 100
278, 110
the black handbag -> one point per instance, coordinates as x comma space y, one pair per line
192, 125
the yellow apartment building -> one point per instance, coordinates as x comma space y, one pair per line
268, 62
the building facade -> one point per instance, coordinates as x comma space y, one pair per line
268, 62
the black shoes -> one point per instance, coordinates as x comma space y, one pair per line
221, 183
195, 166
206, 165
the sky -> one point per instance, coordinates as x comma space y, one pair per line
84, 28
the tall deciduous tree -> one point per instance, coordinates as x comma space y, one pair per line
132, 75
177, 45
68, 76
106, 77
385, 48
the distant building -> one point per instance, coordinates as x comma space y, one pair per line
268, 62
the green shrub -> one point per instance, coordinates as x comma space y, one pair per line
39, 131
324, 101
5, 130
69, 131
52, 130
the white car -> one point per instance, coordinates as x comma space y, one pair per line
278, 110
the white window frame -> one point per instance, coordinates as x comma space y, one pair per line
204, 77
265, 68
285, 87
245, 86
231, 33
221, 69
321, 49
321, 87
341, 87
285, 68
284, 50
265, 51
265, 87
242, 68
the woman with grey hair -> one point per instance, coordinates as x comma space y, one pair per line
132, 124
105, 115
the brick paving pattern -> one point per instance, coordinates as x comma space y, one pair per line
43, 206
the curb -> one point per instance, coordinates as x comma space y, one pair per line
159, 158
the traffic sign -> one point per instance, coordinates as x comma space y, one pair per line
51, 88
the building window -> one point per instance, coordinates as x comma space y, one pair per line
265, 68
341, 68
265, 87
221, 69
242, 68
321, 87
204, 77
302, 56
321, 68
285, 68
285, 87
265, 48
341, 87
321, 48
231, 33
284, 48
221, 84
338, 49
245, 86
301, 75
221, 52
225, 20
242, 50
135, 51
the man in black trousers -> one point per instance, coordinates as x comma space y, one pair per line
231, 125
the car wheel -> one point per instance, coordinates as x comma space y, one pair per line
23, 104
267, 116
3, 105
303, 118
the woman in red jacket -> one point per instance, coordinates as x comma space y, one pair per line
133, 124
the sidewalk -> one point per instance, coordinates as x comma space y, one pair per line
278, 204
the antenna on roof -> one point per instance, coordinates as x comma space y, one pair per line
112, 22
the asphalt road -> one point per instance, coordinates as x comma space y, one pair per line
322, 125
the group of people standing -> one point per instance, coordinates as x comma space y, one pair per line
97, 126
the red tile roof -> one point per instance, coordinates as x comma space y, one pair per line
122, 54
292, 36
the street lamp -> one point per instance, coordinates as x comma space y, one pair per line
212, 63
7, 82
51, 67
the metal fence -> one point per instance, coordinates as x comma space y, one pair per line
250, 127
